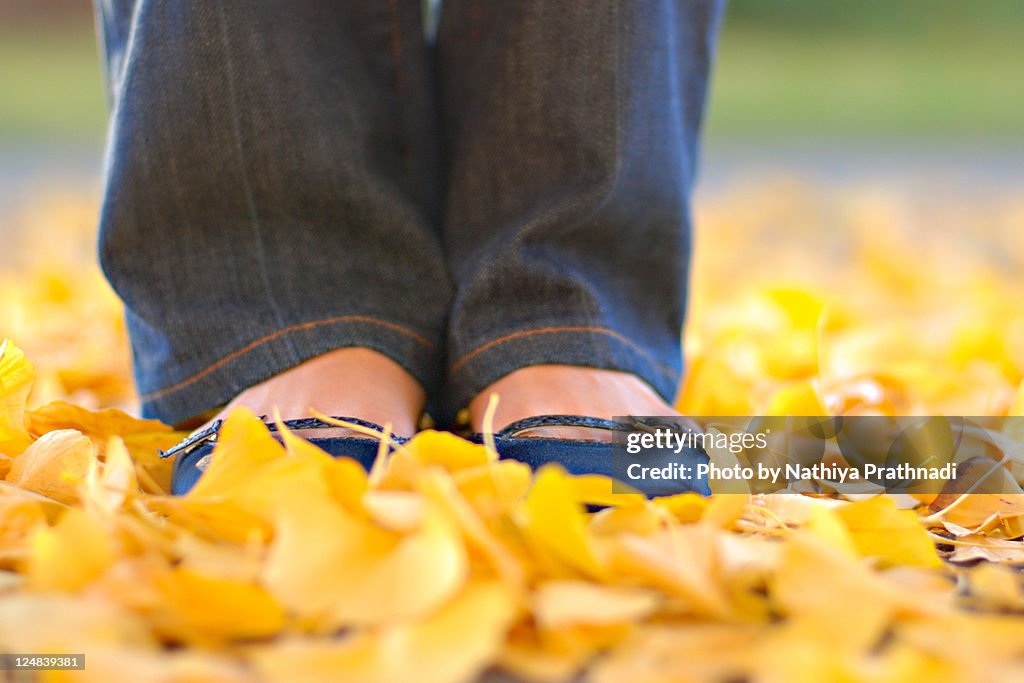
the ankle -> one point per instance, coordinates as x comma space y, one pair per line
350, 382
566, 389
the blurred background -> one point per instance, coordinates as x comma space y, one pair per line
854, 87
885, 137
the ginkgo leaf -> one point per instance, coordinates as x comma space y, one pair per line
825, 525
360, 573
446, 449
209, 610
851, 608
558, 604
110, 486
71, 554
19, 517
93, 623
971, 548
452, 645
16, 375
496, 487
107, 664
995, 586
345, 478
801, 397
243, 446
597, 489
680, 562
100, 425
723, 510
56, 465
144, 439
684, 652
555, 522
483, 539
879, 529
641, 520
686, 507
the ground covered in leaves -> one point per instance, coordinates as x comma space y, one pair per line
443, 564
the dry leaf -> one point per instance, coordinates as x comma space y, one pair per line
56, 465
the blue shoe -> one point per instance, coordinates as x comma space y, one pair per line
192, 453
580, 456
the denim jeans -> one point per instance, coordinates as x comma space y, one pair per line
289, 177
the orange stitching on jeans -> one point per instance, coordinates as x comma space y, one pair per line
548, 330
270, 337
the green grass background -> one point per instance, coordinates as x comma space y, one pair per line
786, 68
51, 85
870, 68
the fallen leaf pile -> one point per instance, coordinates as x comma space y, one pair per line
444, 564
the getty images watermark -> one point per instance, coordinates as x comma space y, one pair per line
662, 454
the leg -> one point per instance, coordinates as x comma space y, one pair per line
570, 138
271, 196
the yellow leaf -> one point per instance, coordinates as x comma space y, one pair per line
971, 548
110, 486
360, 573
496, 487
725, 508
825, 592
803, 308
421, 571
641, 520
395, 510
127, 663
16, 375
345, 478
244, 445
209, 518
556, 524
794, 509
896, 537
802, 398
144, 439
89, 623
70, 555
684, 653
558, 604
597, 489
681, 561
714, 387
207, 610
19, 517
431, 447
974, 509
686, 507
996, 587
827, 527
486, 540
56, 465
100, 425
455, 644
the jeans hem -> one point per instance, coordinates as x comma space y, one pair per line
210, 383
582, 345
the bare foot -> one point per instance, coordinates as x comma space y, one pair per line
567, 390
350, 382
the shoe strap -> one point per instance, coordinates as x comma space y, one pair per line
586, 422
211, 432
